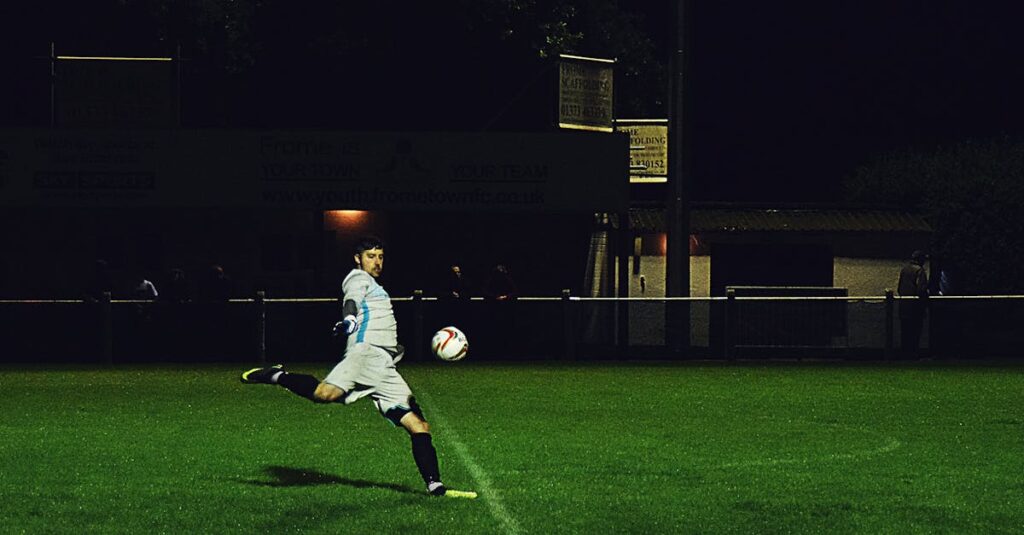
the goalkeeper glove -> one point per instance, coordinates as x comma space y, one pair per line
346, 326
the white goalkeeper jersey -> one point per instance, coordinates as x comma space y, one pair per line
375, 319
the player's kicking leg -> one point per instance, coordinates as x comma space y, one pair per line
300, 384
261, 375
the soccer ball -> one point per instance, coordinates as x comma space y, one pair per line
450, 344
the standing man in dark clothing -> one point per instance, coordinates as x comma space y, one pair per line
500, 286
913, 283
454, 298
177, 287
456, 287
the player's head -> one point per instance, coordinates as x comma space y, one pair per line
369, 255
918, 257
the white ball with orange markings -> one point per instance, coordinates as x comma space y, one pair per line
450, 344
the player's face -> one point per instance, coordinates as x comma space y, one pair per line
371, 261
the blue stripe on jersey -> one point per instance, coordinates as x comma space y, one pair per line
361, 335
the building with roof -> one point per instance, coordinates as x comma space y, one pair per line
860, 250
780, 251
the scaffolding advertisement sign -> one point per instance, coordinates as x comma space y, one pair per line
648, 149
100, 92
586, 93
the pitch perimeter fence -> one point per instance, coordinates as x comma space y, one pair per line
260, 329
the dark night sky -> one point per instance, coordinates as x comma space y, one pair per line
789, 96
789, 100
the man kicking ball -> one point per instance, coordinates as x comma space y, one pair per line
368, 366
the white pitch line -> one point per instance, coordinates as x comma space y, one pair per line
488, 493
892, 444
856, 455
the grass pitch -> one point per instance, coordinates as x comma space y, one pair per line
594, 448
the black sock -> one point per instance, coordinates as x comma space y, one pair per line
425, 455
300, 384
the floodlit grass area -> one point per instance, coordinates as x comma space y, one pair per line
590, 448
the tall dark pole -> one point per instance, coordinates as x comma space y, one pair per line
177, 85
680, 158
53, 84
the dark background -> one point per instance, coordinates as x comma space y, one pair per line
789, 97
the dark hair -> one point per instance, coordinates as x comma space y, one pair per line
368, 242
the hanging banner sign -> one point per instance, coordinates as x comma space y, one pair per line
125, 92
586, 93
648, 149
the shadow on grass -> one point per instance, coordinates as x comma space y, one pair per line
284, 476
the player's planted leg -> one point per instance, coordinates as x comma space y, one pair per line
423, 451
425, 455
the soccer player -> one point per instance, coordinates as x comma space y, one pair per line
368, 366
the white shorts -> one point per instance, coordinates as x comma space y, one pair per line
368, 370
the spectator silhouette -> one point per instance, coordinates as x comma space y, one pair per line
455, 285
501, 290
100, 280
500, 285
453, 304
913, 282
141, 336
946, 278
216, 286
218, 328
97, 282
174, 318
143, 288
176, 290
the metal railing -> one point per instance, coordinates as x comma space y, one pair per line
566, 327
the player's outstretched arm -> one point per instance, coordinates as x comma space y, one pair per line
349, 324
345, 327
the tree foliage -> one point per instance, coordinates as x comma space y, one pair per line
973, 196
312, 59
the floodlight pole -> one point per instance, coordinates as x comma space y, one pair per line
53, 83
177, 85
680, 157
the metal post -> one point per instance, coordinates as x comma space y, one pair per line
177, 85
611, 252
637, 250
53, 83
890, 305
680, 141
610, 315
107, 329
417, 325
261, 327
567, 326
622, 251
730, 324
